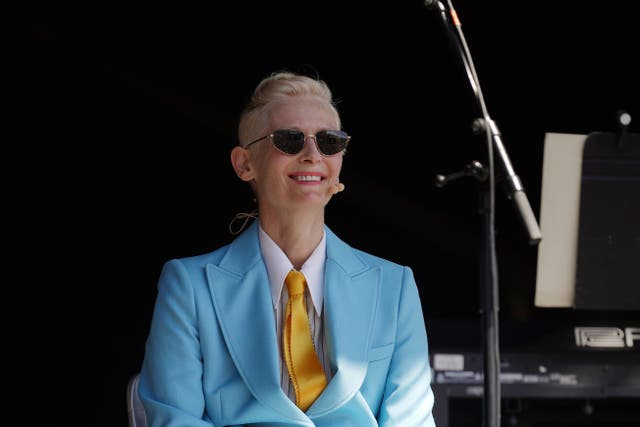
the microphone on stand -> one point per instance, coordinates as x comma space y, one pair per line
514, 188
489, 281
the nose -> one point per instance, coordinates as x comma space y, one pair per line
310, 152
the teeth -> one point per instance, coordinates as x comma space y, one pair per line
306, 178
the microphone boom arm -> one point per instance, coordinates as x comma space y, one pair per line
515, 190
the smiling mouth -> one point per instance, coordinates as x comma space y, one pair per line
307, 178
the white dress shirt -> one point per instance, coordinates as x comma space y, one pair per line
278, 266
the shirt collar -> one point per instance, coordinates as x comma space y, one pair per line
278, 266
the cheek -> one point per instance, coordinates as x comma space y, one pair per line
336, 165
270, 168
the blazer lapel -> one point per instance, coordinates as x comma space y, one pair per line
243, 305
351, 295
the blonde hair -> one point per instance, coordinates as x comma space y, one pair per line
276, 87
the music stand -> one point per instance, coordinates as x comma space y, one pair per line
590, 216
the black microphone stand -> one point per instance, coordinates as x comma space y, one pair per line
515, 192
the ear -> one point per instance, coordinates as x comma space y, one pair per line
241, 163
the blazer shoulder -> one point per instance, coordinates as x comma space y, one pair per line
378, 261
364, 257
235, 256
201, 260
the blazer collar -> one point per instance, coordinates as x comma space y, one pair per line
351, 295
241, 296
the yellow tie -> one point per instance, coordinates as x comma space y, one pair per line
304, 367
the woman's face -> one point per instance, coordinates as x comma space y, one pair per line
305, 180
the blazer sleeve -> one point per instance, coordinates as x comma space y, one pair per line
408, 398
171, 375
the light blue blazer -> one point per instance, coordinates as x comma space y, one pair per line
211, 357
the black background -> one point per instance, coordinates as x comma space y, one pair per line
124, 115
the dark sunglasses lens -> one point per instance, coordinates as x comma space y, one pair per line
288, 141
332, 141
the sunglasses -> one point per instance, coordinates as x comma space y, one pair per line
290, 141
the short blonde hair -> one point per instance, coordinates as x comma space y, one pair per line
276, 87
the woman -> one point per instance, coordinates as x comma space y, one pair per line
224, 346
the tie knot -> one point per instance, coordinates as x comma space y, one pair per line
295, 282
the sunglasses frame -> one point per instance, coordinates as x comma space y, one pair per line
315, 139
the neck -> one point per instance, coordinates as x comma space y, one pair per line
297, 236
